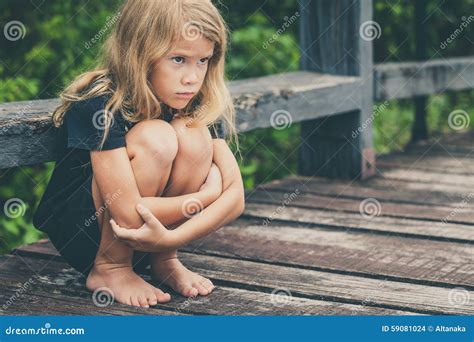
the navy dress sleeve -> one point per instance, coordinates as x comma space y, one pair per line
85, 126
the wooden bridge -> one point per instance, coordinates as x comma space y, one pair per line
346, 236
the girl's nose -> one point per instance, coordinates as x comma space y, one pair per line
191, 77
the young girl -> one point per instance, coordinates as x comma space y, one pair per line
143, 167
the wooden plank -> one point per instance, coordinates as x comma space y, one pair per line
299, 282
331, 286
425, 176
394, 257
440, 164
397, 258
63, 287
409, 79
375, 221
341, 203
389, 190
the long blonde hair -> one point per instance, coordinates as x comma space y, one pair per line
145, 31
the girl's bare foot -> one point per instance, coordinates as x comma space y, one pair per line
172, 272
125, 285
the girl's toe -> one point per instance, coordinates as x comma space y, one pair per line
134, 301
143, 301
201, 289
189, 291
162, 297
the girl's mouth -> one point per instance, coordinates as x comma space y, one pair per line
185, 95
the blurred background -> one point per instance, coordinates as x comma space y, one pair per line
52, 53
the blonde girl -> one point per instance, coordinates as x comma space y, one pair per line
143, 166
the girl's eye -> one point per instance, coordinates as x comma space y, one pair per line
203, 61
178, 59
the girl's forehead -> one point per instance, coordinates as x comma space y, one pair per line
192, 48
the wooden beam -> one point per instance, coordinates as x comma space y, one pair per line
27, 135
335, 38
409, 79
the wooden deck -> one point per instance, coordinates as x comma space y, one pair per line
399, 243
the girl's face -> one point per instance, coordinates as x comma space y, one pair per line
178, 76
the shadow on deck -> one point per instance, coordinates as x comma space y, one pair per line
398, 243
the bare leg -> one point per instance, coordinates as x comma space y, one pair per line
194, 153
151, 146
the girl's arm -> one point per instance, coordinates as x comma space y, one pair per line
151, 236
226, 208
114, 176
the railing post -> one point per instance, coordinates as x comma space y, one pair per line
419, 129
336, 38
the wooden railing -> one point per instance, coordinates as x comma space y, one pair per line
332, 96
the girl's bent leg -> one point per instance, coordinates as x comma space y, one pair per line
151, 146
194, 153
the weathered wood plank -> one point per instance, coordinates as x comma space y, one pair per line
389, 190
395, 257
331, 286
441, 164
224, 300
409, 79
340, 203
374, 220
314, 284
426, 176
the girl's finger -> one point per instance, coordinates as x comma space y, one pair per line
147, 215
123, 233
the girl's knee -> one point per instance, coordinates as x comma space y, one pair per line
155, 138
195, 143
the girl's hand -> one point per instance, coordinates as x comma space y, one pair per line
152, 236
213, 182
